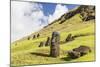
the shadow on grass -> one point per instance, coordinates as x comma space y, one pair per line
40, 54
67, 59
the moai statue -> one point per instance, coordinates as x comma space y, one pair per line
41, 44
38, 35
34, 36
28, 38
69, 38
48, 42
15, 44
55, 47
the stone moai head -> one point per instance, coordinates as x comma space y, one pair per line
38, 35
28, 38
34, 36
41, 44
54, 48
69, 38
48, 42
15, 44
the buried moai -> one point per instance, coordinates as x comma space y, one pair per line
41, 44
28, 38
38, 35
55, 46
34, 36
82, 49
15, 44
48, 42
69, 38
73, 54
78, 52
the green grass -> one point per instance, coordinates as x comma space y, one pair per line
41, 55
27, 52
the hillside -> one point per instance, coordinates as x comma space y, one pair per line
79, 21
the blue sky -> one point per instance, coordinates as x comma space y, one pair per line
71, 6
28, 17
49, 8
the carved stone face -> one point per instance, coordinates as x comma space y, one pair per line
54, 52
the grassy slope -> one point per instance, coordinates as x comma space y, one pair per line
27, 52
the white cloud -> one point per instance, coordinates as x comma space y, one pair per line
59, 10
29, 17
26, 18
